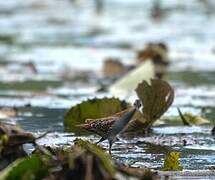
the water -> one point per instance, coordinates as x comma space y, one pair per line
65, 37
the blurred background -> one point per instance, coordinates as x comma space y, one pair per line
53, 55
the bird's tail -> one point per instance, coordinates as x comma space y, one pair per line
84, 126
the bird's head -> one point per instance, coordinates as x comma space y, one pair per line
137, 104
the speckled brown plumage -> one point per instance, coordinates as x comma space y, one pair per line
109, 127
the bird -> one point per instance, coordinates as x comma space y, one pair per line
108, 128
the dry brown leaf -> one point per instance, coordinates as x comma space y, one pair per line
156, 98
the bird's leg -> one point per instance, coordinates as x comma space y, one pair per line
110, 146
100, 140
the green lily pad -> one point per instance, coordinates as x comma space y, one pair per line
30, 168
91, 109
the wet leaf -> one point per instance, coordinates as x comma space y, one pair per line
156, 97
30, 168
16, 135
195, 119
81, 161
104, 158
184, 120
189, 117
12, 137
171, 162
127, 84
91, 109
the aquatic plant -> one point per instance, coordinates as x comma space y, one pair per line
156, 98
82, 161
12, 138
91, 109
97, 115
171, 162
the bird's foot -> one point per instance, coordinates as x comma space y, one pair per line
110, 147
117, 139
100, 140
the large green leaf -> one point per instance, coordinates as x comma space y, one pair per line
91, 109
30, 168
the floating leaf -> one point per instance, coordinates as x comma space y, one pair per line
92, 109
30, 168
184, 120
127, 84
171, 162
195, 119
156, 97
189, 117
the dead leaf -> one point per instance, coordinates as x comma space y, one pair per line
156, 98
12, 138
